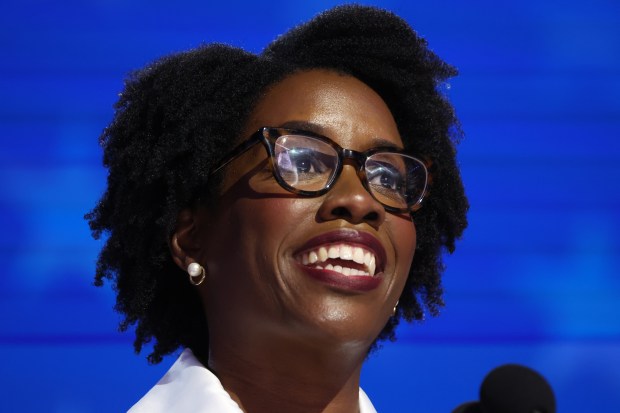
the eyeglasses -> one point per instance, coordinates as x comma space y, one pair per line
308, 164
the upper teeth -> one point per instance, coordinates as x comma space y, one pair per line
344, 252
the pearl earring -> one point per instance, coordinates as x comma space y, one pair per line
196, 273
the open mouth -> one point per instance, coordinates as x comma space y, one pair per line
345, 256
346, 259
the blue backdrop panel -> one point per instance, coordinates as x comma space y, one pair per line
534, 281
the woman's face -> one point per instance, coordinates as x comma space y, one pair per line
260, 241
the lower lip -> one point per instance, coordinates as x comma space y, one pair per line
344, 282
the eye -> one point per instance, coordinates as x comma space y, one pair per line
305, 161
385, 176
306, 164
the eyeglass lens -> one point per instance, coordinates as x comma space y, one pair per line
305, 163
309, 164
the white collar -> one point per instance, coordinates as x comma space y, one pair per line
190, 387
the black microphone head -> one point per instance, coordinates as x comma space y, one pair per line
469, 407
512, 388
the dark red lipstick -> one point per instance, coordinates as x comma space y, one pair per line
346, 239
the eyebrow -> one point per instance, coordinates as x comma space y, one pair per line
304, 125
321, 130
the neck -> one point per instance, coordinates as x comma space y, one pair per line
290, 376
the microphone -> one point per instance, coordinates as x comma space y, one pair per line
512, 388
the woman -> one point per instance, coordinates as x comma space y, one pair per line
263, 211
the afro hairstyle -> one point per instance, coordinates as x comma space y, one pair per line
181, 114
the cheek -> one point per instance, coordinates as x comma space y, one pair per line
408, 237
249, 258
404, 238
251, 233
240, 252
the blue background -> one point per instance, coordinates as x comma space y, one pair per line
534, 281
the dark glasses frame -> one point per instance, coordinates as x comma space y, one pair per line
268, 136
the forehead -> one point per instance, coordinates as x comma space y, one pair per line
340, 106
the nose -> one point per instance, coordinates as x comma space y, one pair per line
349, 200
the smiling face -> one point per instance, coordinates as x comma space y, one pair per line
326, 270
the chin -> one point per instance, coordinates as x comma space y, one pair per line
340, 326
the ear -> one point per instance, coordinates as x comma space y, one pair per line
183, 242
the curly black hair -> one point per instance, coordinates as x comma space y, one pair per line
181, 114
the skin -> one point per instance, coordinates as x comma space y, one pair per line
281, 340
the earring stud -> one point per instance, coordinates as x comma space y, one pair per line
196, 273
394, 309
